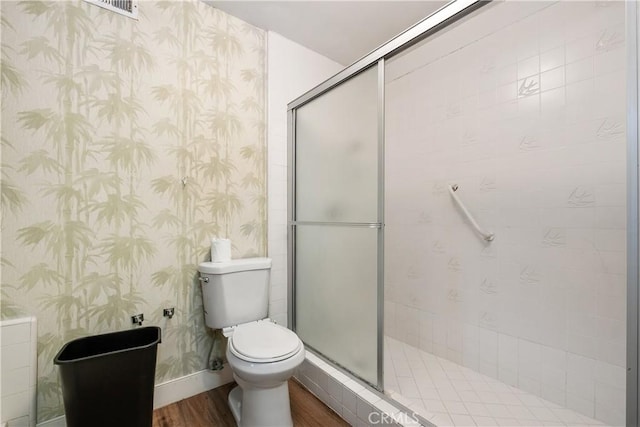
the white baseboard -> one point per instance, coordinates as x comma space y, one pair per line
54, 422
190, 385
174, 390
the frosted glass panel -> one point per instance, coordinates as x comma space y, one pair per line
336, 295
337, 154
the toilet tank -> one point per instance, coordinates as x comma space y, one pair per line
235, 291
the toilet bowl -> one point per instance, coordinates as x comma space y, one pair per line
262, 356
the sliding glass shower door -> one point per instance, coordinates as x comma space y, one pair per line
336, 225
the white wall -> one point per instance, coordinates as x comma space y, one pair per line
291, 71
529, 119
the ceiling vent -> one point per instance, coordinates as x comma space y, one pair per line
123, 7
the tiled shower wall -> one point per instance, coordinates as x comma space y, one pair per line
523, 106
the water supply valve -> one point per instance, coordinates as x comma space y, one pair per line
137, 319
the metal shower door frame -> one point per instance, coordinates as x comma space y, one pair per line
633, 233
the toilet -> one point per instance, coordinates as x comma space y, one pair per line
262, 355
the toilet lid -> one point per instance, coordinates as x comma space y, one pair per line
263, 342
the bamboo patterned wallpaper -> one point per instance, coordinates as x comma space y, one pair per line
126, 145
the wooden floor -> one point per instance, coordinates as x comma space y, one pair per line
211, 409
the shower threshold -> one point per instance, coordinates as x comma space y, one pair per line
448, 394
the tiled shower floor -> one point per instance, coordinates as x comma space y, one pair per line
448, 394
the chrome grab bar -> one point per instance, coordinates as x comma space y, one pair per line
488, 236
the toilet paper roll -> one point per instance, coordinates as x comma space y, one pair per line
220, 250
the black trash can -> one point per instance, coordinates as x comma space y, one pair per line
107, 380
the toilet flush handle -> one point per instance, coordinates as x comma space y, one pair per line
203, 279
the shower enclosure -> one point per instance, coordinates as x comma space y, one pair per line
463, 215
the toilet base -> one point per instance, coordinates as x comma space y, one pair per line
235, 403
261, 407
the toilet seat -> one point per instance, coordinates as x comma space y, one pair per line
263, 342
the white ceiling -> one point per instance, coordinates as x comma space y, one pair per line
340, 30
